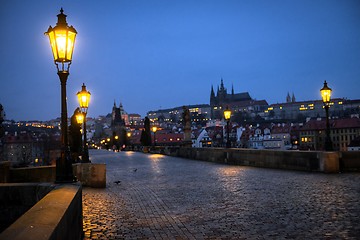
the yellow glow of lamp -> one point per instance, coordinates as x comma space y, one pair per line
79, 118
325, 93
84, 98
154, 128
128, 134
227, 113
62, 39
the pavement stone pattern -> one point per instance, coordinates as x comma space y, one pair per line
161, 197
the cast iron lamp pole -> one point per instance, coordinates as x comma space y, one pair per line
326, 95
62, 40
84, 99
154, 129
227, 115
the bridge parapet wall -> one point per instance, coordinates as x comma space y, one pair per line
328, 162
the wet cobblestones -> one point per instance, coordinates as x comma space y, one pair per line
170, 198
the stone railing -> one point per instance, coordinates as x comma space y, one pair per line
58, 215
89, 174
328, 162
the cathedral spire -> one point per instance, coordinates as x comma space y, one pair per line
288, 99
222, 84
232, 89
212, 93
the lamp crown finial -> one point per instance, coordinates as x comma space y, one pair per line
61, 18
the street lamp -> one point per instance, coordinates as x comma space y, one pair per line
326, 95
154, 129
79, 118
84, 99
62, 40
227, 115
128, 134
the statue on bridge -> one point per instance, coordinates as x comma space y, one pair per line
187, 127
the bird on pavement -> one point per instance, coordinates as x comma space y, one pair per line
117, 182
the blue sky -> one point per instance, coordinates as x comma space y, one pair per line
162, 54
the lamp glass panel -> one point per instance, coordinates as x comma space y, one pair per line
53, 44
84, 99
80, 118
326, 94
70, 44
227, 114
60, 37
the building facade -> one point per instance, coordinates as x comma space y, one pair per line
342, 132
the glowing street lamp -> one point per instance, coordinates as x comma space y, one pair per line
154, 129
62, 41
84, 99
227, 115
79, 118
326, 96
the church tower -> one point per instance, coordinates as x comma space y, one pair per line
212, 96
288, 99
118, 127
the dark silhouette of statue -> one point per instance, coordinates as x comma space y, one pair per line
75, 140
187, 127
146, 134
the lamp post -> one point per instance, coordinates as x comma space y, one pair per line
128, 140
84, 99
62, 40
227, 115
326, 95
154, 129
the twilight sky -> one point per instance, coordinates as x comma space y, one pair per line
162, 54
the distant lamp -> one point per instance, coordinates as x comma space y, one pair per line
227, 116
116, 137
154, 129
128, 134
326, 96
79, 118
84, 99
326, 93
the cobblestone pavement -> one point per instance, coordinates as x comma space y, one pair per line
161, 197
